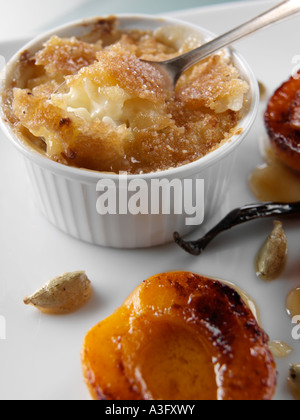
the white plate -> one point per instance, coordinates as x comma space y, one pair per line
40, 357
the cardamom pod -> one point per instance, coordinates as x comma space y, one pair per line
295, 375
63, 294
271, 259
294, 381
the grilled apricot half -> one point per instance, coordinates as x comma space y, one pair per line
282, 120
179, 336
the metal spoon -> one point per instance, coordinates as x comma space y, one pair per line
174, 68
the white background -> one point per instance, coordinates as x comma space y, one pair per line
20, 18
40, 358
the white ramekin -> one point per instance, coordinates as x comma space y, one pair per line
67, 196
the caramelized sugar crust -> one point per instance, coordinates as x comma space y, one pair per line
113, 113
179, 336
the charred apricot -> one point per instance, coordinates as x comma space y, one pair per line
179, 336
282, 120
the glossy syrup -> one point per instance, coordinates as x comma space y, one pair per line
293, 303
273, 181
280, 349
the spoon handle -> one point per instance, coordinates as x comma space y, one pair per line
280, 12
